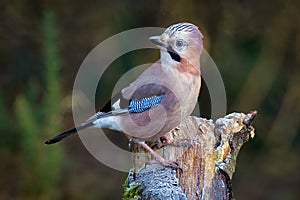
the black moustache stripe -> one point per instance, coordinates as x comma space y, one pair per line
174, 55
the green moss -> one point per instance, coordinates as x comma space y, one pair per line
132, 191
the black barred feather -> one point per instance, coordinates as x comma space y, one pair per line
181, 27
140, 105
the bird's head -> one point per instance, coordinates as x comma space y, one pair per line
180, 41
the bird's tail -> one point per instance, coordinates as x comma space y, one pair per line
88, 123
68, 133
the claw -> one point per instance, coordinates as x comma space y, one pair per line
173, 165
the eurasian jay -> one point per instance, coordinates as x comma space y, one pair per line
162, 96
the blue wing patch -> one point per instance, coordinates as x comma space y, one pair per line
140, 105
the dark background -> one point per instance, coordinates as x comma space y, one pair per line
255, 45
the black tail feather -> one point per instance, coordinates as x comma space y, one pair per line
61, 136
88, 123
67, 133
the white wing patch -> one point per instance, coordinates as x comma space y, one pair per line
116, 105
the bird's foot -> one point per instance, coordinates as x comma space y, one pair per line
159, 158
172, 164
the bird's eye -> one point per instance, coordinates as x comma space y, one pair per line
179, 43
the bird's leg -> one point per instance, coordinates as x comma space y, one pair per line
158, 157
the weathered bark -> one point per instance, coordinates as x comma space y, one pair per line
206, 151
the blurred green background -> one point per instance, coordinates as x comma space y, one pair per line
255, 44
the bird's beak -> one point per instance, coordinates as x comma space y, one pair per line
157, 40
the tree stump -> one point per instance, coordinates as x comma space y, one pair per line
206, 152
